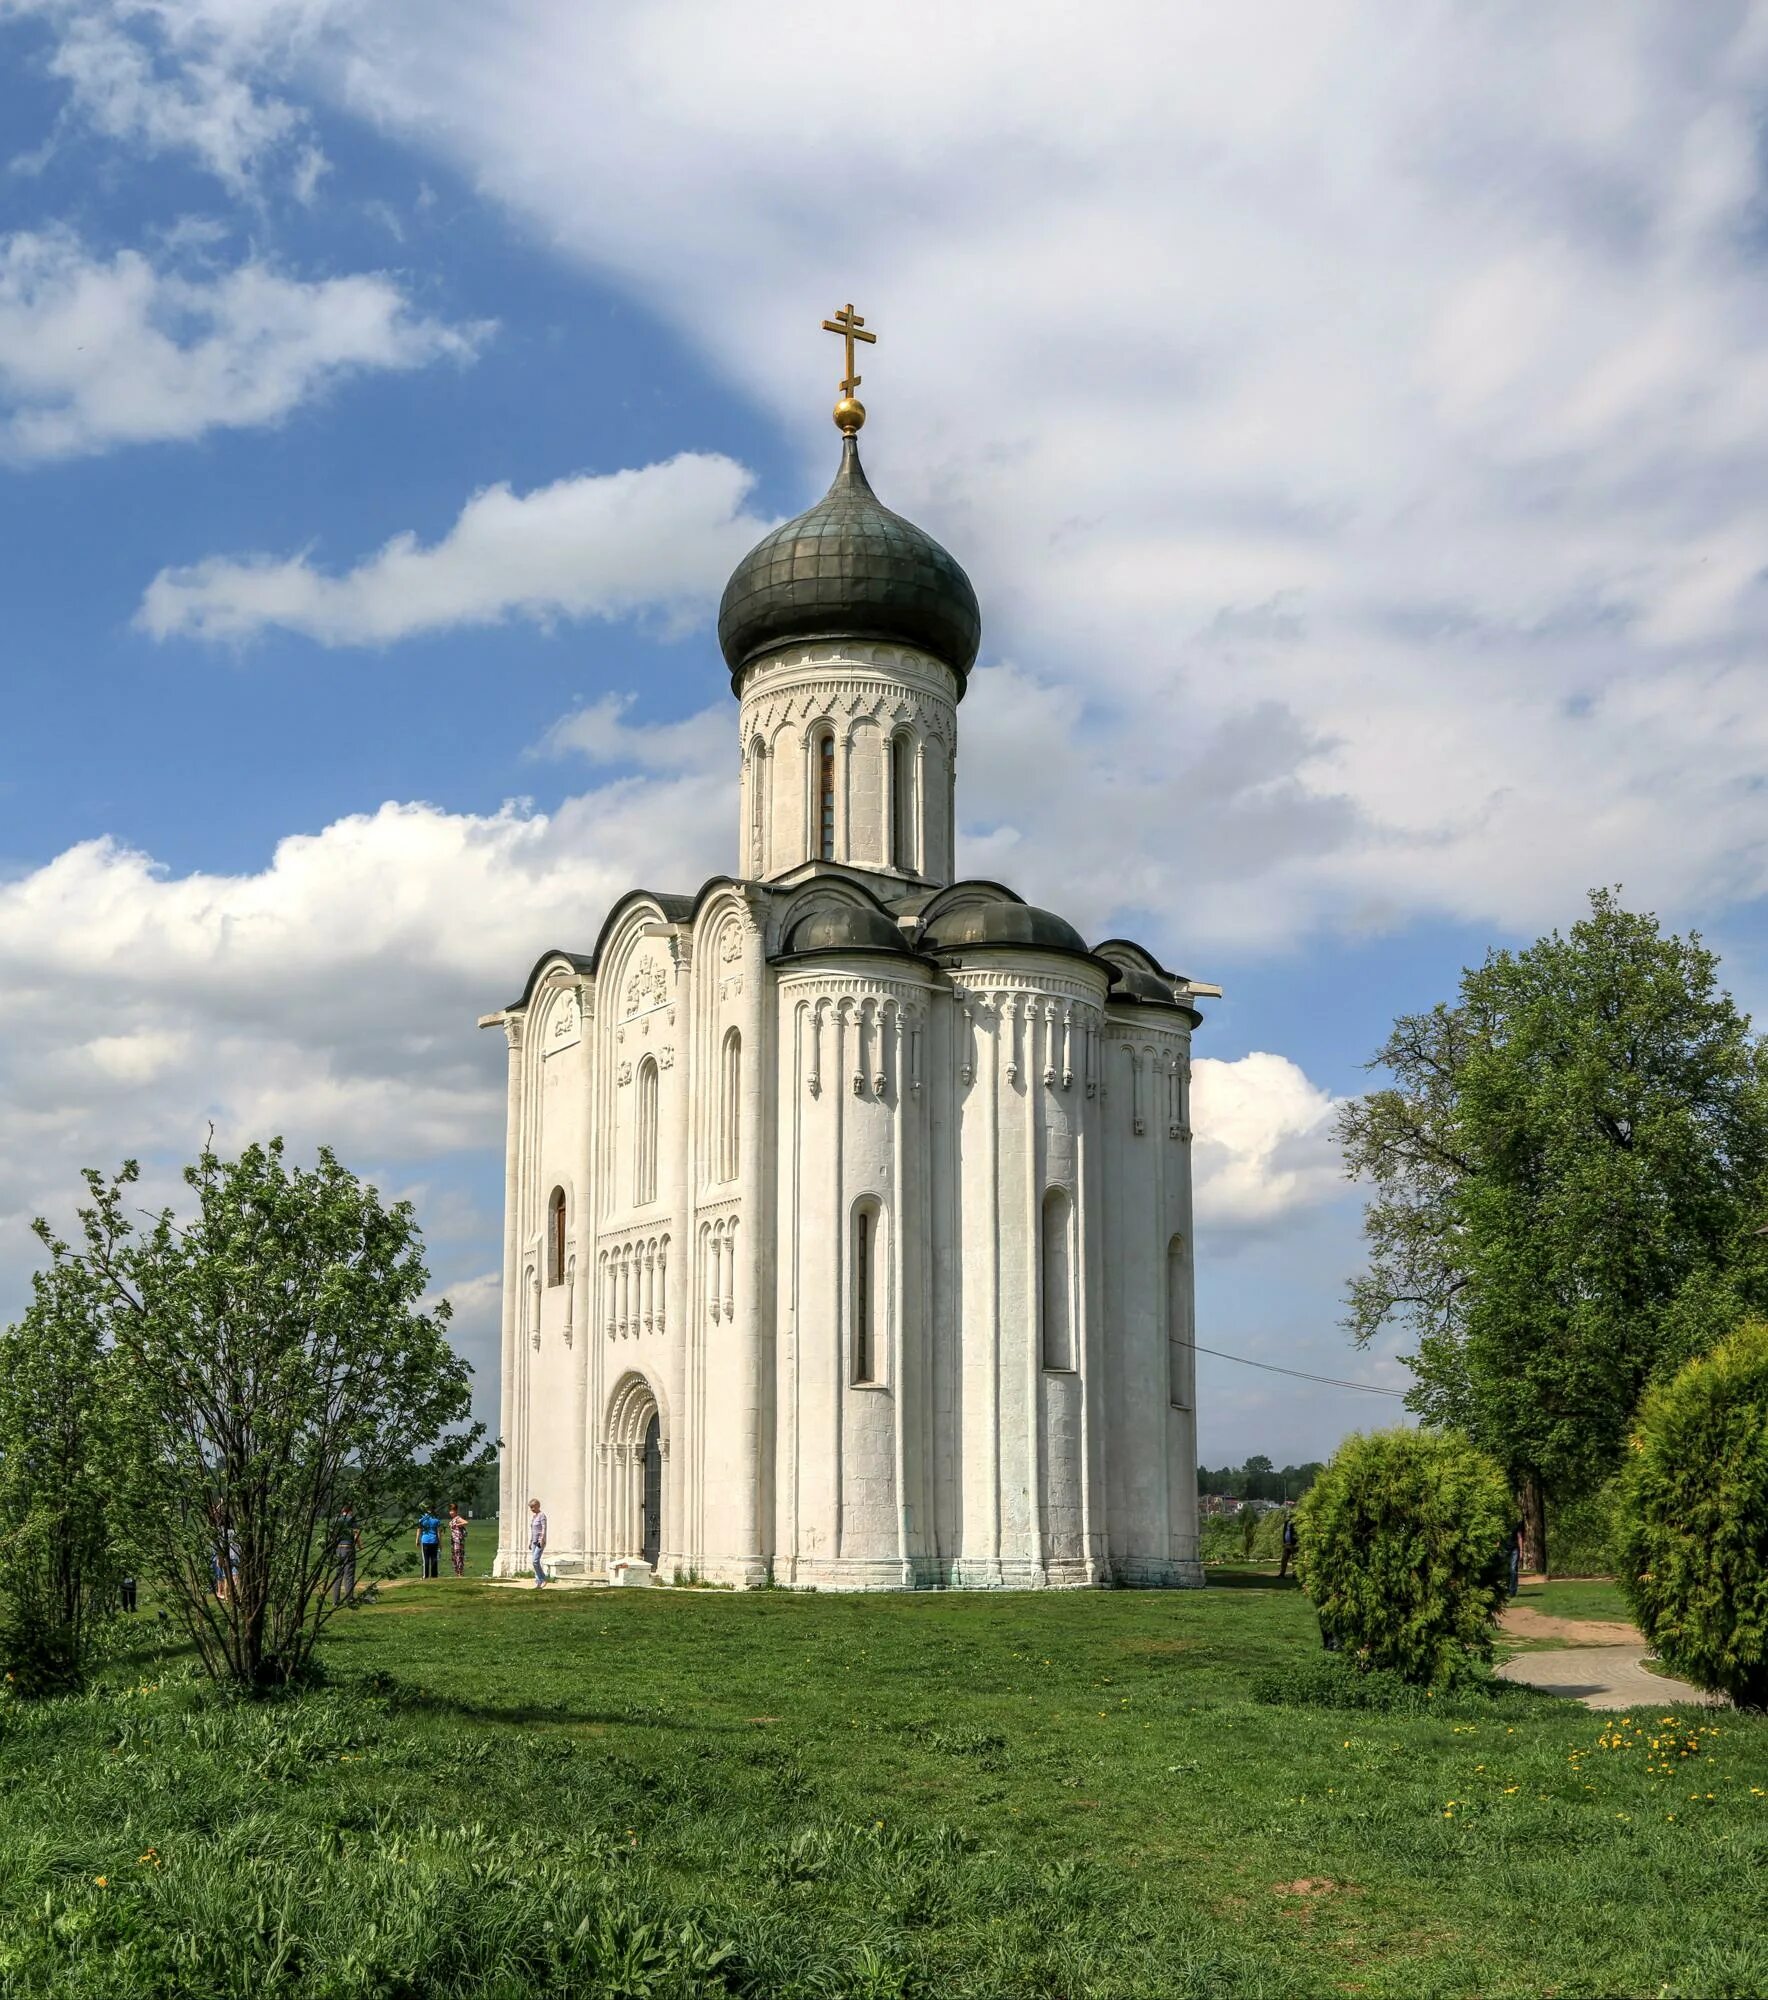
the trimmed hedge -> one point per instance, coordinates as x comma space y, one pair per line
1402, 1551
1692, 1536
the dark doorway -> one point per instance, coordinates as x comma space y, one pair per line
653, 1540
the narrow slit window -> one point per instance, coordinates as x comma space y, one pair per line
555, 1237
1180, 1354
644, 1176
758, 810
825, 797
866, 1317
902, 803
1057, 1267
730, 1107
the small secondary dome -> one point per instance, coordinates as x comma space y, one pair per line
1001, 923
849, 568
846, 927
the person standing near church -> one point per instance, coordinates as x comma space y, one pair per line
429, 1533
457, 1538
537, 1541
346, 1540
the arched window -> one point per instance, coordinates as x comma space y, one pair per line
902, 802
758, 808
1180, 1354
823, 765
867, 1292
644, 1152
1057, 1275
555, 1237
730, 1105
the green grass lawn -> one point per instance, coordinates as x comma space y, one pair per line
508, 1793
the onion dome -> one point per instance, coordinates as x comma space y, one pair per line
844, 927
1003, 923
849, 569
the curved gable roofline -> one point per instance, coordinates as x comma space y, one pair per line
1119, 949
574, 959
673, 909
977, 890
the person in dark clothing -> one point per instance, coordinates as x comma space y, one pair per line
346, 1540
128, 1591
1289, 1541
429, 1533
1513, 1557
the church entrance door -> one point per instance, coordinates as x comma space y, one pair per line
653, 1514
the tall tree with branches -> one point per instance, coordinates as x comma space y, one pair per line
274, 1361
61, 1564
1568, 1172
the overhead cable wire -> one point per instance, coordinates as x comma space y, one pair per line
1301, 1374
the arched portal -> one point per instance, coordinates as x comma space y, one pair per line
633, 1446
651, 1536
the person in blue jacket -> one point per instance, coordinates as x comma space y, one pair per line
429, 1532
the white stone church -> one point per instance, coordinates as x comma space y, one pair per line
848, 1206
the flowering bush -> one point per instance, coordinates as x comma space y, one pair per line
1692, 1537
1401, 1551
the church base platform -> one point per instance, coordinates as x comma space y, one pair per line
890, 1574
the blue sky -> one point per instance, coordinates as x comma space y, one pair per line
1356, 434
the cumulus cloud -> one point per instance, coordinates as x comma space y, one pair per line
1264, 1145
330, 995
1359, 433
661, 538
167, 76
96, 352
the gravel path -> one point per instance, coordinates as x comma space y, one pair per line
1600, 1677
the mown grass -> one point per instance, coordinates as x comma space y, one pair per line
506, 1793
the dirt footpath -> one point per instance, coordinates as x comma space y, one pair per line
1521, 1621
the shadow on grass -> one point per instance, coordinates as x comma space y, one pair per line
1248, 1579
557, 1714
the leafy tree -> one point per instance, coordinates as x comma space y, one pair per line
274, 1362
1400, 1547
1568, 1169
60, 1568
1692, 1519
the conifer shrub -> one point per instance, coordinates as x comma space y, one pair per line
1692, 1534
1401, 1551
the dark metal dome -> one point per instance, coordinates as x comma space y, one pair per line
849, 569
1001, 923
845, 927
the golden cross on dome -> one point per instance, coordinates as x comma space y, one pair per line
850, 413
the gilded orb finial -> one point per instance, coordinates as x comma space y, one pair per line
850, 412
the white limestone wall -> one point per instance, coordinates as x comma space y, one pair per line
722, 1300
1148, 1279
545, 1350
1028, 1433
878, 703
852, 1506
727, 1432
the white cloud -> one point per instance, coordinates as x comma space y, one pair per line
97, 352
1379, 408
661, 538
1264, 1145
330, 995
600, 732
166, 76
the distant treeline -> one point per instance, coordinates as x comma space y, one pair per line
1259, 1479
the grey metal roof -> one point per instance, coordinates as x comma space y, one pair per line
849, 568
